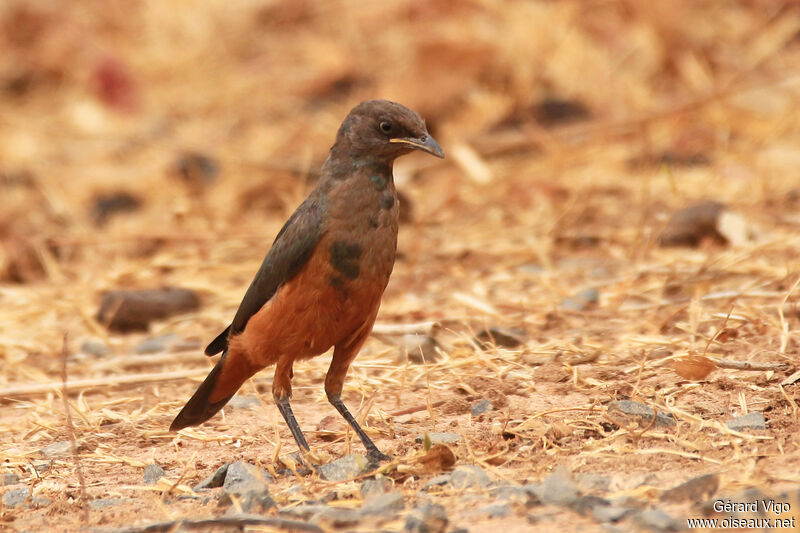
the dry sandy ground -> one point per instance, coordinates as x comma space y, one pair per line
569, 147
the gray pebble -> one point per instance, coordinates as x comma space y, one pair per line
42, 466
16, 497
754, 420
159, 344
244, 402
303, 512
466, 476
95, 347
481, 406
610, 513
214, 480
38, 503
332, 516
106, 502
438, 481
500, 336
441, 438
384, 504
593, 481
347, 467
337, 518
152, 473
430, 518
10, 479
530, 268
498, 510
373, 487
242, 478
656, 520
255, 501
558, 489
581, 300
585, 504
694, 490
57, 449
513, 493
629, 407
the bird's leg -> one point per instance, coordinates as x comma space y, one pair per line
334, 381
282, 393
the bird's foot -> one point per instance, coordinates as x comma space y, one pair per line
376, 457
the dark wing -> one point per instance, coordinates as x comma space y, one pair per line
290, 251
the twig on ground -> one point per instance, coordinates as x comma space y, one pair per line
225, 521
43, 388
71, 433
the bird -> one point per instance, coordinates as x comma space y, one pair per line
321, 282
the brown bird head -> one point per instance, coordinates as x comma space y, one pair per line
383, 130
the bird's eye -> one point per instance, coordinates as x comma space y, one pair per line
386, 127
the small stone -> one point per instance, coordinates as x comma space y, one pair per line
642, 411
214, 480
431, 518
530, 268
585, 504
10, 479
242, 478
348, 467
42, 466
512, 493
581, 301
754, 420
134, 310
384, 504
657, 520
551, 111
533, 490
441, 438
303, 512
558, 489
152, 473
196, 170
159, 344
38, 503
113, 203
481, 406
499, 336
438, 481
106, 502
593, 481
694, 490
466, 476
374, 487
16, 497
57, 449
498, 510
256, 501
331, 516
692, 224
244, 402
610, 513
418, 348
337, 518
95, 347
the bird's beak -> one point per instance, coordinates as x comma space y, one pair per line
426, 144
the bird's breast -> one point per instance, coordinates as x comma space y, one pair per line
361, 235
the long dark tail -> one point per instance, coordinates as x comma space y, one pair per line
219, 386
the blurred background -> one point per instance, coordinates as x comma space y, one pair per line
149, 143
620, 190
